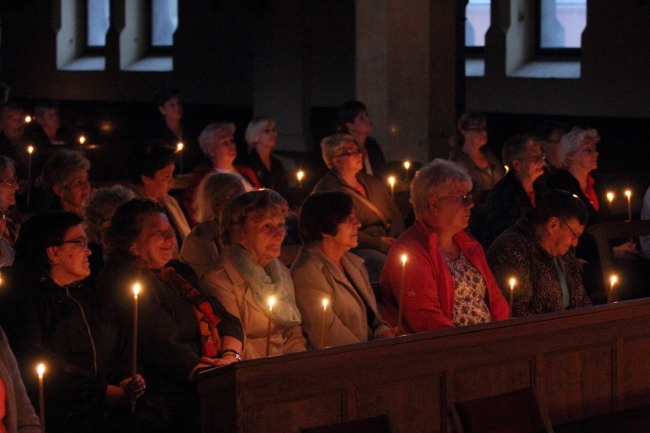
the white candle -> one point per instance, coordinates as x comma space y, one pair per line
271, 302
322, 338
610, 197
82, 139
134, 349
512, 283
400, 307
179, 149
391, 182
612, 282
40, 370
300, 175
628, 194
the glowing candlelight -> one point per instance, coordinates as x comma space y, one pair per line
271, 302
610, 197
179, 149
400, 308
407, 165
506, 168
28, 118
628, 194
322, 337
134, 349
40, 370
82, 139
30, 150
300, 175
512, 283
391, 182
612, 282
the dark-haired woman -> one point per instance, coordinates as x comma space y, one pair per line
325, 269
180, 328
52, 318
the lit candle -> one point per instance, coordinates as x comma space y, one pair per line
610, 197
134, 349
82, 139
407, 166
179, 149
300, 175
400, 308
391, 182
1, 281
30, 150
40, 370
268, 329
506, 168
322, 337
628, 194
512, 283
612, 282
28, 118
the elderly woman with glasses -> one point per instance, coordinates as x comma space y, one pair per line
53, 318
381, 220
249, 279
180, 329
579, 158
447, 280
517, 193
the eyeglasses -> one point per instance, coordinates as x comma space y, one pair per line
13, 181
464, 199
536, 158
477, 129
81, 243
356, 151
164, 234
574, 235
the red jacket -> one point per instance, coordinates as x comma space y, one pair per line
428, 285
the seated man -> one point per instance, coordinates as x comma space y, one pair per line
537, 253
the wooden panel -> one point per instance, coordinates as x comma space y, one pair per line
579, 383
636, 373
478, 382
291, 416
414, 405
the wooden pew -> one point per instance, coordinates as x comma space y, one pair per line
585, 363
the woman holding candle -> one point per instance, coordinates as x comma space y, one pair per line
202, 246
447, 280
381, 220
180, 329
538, 251
325, 269
248, 274
579, 158
53, 318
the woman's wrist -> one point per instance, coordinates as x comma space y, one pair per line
230, 352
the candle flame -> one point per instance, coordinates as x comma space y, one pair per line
30, 149
136, 289
506, 168
391, 180
271, 302
1, 281
28, 118
613, 280
512, 283
403, 259
40, 369
325, 302
407, 164
628, 193
300, 174
179, 146
610, 196
82, 139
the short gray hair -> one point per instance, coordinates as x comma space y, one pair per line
61, 165
432, 181
205, 139
214, 190
257, 204
332, 144
254, 129
571, 142
102, 204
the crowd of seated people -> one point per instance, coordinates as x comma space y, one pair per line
209, 266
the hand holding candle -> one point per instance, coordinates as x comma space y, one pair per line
271, 302
512, 283
400, 308
391, 182
40, 370
322, 338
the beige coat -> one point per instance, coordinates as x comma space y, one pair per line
225, 282
352, 302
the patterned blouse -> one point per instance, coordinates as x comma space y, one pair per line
470, 291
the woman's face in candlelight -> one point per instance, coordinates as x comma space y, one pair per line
451, 211
262, 235
70, 258
586, 156
268, 136
349, 158
75, 191
362, 124
155, 243
531, 164
475, 135
159, 185
172, 109
347, 233
563, 234
8, 186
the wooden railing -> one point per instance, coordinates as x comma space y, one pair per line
584, 363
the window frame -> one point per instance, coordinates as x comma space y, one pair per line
540, 51
93, 50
